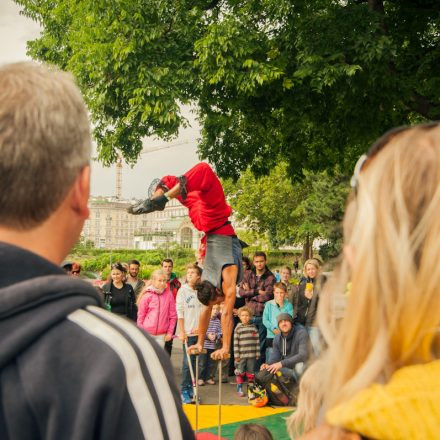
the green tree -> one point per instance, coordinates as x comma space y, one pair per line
308, 82
290, 213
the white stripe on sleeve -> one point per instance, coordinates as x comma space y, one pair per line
137, 388
155, 369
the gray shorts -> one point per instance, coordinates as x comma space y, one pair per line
221, 251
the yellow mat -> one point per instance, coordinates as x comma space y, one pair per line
208, 414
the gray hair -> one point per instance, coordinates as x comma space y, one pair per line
44, 141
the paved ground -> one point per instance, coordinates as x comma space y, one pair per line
208, 393
232, 415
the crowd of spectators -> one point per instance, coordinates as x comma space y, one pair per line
273, 320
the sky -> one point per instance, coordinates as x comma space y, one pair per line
15, 31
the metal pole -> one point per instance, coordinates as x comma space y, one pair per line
197, 393
219, 431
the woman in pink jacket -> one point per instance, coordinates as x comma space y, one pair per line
157, 310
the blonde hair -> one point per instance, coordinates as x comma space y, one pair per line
245, 309
393, 311
314, 262
195, 267
157, 272
44, 139
154, 274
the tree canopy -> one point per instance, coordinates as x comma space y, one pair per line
310, 82
290, 213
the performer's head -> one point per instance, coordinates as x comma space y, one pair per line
208, 294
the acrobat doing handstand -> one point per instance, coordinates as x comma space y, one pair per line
201, 192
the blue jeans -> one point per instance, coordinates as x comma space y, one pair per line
268, 353
207, 365
186, 384
295, 372
262, 331
315, 339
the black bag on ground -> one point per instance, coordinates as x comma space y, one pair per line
280, 389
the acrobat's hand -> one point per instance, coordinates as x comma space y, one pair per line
196, 348
220, 354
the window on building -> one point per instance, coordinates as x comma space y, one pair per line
186, 236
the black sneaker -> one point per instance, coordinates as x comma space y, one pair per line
148, 205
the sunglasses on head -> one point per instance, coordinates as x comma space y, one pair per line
379, 145
118, 266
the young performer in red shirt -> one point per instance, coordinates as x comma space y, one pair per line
201, 192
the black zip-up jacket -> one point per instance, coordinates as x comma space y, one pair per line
71, 370
130, 298
305, 309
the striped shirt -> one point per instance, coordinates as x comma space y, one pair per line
246, 341
213, 327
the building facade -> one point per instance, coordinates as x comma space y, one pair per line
111, 227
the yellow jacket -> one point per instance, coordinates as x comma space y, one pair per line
407, 407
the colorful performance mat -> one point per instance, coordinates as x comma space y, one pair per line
233, 416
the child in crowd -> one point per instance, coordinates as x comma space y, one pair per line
188, 313
272, 309
212, 341
157, 311
252, 431
246, 349
291, 289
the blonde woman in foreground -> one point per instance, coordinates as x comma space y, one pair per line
380, 376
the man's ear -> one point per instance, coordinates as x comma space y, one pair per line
80, 193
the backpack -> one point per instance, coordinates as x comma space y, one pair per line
280, 389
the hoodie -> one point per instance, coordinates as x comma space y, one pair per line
69, 369
188, 308
157, 312
291, 348
270, 313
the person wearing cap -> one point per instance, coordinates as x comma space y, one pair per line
290, 348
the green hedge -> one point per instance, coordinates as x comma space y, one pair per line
95, 261
98, 260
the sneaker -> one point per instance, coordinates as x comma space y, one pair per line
201, 382
186, 399
210, 382
148, 205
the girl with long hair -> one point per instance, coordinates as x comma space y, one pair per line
380, 374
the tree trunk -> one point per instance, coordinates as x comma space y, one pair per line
306, 249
